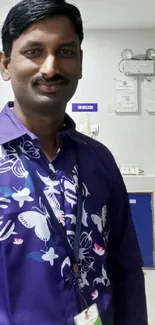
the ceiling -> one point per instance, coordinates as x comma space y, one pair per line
108, 14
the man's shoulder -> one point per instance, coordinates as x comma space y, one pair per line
101, 151
96, 145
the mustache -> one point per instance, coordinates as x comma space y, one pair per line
57, 78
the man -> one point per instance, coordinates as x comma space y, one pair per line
66, 235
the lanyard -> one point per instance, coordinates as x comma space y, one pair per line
73, 254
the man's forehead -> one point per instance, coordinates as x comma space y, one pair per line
51, 28
51, 25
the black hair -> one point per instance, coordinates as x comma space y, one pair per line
26, 12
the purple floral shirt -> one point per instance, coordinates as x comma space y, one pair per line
35, 272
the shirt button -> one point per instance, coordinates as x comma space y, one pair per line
52, 175
68, 283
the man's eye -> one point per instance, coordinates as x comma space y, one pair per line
67, 53
33, 52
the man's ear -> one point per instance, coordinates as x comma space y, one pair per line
81, 68
4, 66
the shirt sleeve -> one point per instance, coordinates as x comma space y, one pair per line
124, 260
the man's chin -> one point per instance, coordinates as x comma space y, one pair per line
45, 105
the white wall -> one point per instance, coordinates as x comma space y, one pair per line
130, 138
102, 53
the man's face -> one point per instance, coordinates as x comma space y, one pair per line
45, 65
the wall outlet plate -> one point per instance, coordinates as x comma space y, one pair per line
130, 170
94, 129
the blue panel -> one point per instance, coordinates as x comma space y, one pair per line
143, 221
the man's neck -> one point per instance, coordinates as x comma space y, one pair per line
44, 127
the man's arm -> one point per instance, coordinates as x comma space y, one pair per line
124, 261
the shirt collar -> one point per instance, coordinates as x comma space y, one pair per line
12, 128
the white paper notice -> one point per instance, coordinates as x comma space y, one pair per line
126, 95
149, 94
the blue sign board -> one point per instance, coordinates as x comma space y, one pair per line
84, 107
141, 209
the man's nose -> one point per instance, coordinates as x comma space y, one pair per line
49, 67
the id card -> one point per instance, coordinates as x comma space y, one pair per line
89, 316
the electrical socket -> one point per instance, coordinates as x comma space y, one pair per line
94, 129
82, 128
129, 170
